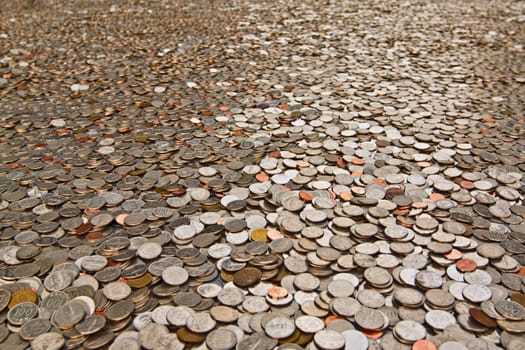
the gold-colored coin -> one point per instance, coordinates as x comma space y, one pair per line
260, 235
141, 139
291, 339
304, 339
22, 296
280, 275
226, 276
187, 336
141, 281
519, 298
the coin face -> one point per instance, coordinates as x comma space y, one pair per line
409, 331
34, 328
116, 291
221, 339
175, 275
22, 313
279, 328
50, 340
69, 314
91, 324
510, 310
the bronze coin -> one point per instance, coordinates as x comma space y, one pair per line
482, 318
247, 277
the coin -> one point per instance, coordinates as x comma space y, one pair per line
48, 341
33, 328
247, 277
175, 275
409, 331
279, 327
69, 314
329, 340
91, 324
439, 319
201, 322
221, 339
510, 310
355, 339
482, 318
116, 291
22, 313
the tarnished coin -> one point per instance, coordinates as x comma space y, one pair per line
510, 310
247, 277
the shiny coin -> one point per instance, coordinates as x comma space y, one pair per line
175, 276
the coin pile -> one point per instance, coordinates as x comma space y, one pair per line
262, 175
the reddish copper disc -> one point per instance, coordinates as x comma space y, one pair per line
466, 265
424, 344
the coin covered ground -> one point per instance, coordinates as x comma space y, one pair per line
259, 175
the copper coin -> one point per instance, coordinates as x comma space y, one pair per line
466, 265
247, 277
